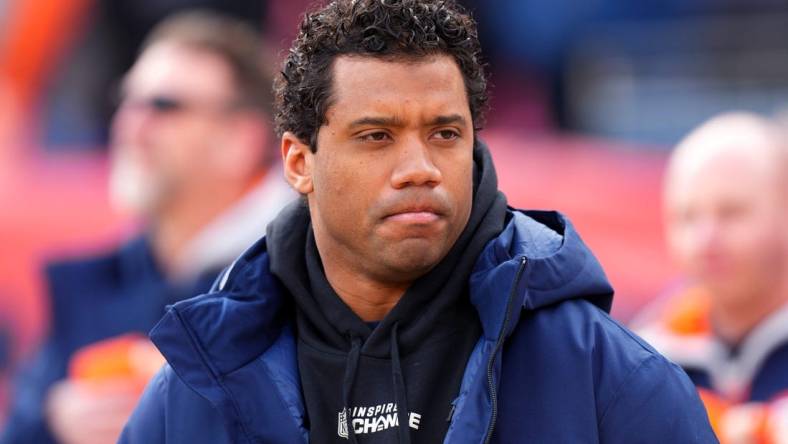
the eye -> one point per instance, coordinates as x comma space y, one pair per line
376, 136
447, 134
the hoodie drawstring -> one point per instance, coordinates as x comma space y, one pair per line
347, 385
400, 395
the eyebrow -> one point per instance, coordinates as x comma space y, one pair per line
377, 121
397, 122
448, 119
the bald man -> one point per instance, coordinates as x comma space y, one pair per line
726, 206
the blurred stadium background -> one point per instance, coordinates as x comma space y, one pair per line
588, 97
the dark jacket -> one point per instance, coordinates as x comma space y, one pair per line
550, 366
91, 299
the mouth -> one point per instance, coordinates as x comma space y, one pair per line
414, 217
418, 215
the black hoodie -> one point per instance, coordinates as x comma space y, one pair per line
407, 368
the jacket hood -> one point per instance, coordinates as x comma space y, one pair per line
556, 266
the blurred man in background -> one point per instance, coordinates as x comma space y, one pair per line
726, 205
192, 157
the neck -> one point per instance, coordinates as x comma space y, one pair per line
369, 299
176, 225
733, 323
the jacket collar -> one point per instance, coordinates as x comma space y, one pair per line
559, 267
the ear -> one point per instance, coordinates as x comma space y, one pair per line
297, 159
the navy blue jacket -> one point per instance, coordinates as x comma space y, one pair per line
91, 299
551, 365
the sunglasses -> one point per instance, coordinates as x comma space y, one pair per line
164, 104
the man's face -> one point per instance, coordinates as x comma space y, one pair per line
726, 224
391, 181
169, 126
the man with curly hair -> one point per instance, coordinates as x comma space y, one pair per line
401, 301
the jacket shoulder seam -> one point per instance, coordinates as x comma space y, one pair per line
624, 383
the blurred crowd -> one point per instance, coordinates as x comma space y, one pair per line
137, 159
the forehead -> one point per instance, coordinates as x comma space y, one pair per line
721, 175
363, 84
172, 68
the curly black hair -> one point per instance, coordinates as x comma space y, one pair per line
395, 29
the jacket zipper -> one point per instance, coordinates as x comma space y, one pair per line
498, 345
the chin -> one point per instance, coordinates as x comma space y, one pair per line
412, 263
731, 294
132, 198
131, 189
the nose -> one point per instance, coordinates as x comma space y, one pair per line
707, 236
415, 166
